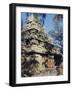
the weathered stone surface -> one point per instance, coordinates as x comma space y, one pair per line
36, 50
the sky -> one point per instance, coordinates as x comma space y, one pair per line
48, 24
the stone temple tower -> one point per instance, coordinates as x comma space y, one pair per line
36, 50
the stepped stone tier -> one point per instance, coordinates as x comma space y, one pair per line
39, 57
32, 23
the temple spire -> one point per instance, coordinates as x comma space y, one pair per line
31, 17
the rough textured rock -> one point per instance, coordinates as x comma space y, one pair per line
36, 50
